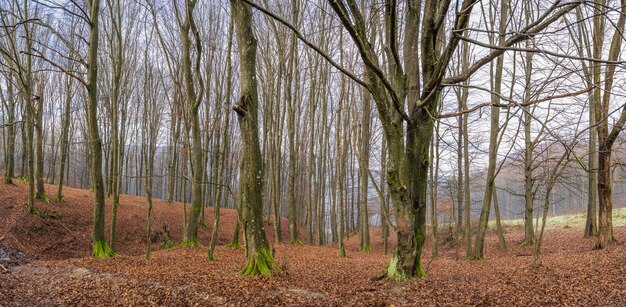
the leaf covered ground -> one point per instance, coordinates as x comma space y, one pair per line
56, 271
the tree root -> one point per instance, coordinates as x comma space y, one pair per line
101, 250
262, 262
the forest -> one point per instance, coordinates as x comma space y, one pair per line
290, 152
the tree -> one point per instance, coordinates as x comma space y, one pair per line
602, 99
413, 85
225, 145
39, 155
101, 248
259, 258
191, 76
9, 108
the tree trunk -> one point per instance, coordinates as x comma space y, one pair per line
38, 113
194, 101
10, 150
259, 258
225, 146
100, 247
65, 129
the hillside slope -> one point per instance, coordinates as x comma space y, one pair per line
64, 229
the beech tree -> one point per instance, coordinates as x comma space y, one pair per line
259, 258
406, 98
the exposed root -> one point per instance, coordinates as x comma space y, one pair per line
262, 263
101, 250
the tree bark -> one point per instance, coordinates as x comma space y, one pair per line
259, 258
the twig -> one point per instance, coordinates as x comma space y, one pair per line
68, 230
3, 268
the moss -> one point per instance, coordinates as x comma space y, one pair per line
102, 250
189, 243
59, 199
394, 274
233, 245
262, 262
528, 242
367, 248
296, 243
342, 252
168, 244
34, 210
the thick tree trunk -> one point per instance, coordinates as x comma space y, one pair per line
259, 258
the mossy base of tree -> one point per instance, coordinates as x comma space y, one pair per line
233, 245
8, 180
367, 248
101, 250
296, 243
190, 243
261, 263
59, 199
528, 242
209, 256
168, 244
393, 273
342, 252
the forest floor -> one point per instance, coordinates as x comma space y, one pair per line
46, 261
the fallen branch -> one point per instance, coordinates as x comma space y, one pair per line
3, 268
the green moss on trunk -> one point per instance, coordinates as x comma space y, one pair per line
190, 242
395, 273
262, 262
233, 245
102, 250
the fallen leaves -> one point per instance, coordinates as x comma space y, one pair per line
571, 273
